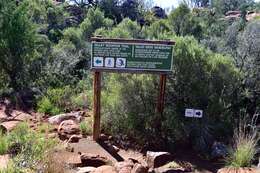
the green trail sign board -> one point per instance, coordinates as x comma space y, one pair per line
132, 56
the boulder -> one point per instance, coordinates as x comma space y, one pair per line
168, 170
93, 160
138, 168
105, 169
21, 116
237, 170
52, 135
125, 166
88, 169
8, 125
67, 129
157, 159
4, 159
74, 138
57, 119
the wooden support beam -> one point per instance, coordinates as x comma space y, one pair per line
96, 105
160, 103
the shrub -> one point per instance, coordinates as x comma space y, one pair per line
11, 168
28, 147
3, 143
65, 99
45, 106
245, 146
85, 127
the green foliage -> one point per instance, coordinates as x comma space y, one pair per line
11, 168
245, 146
45, 106
85, 127
159, 30
59, 100
3, 143
28, 146
126, 29
183, 22
95, 19
223, 6
17, 43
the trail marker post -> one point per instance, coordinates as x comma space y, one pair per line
129, 56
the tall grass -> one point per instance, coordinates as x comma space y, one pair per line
11, 168
3, 143
27, 147
85, 127
245, 144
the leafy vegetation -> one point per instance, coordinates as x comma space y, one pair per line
3, 144
85, 127
245, 145
27, 148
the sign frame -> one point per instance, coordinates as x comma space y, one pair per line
97, 72
131, 42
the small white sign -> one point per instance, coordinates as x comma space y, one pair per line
189, 112
193, 113
98, 61
121, 62
109, 62
198, 113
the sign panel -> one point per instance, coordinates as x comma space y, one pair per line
193, 113
131, 56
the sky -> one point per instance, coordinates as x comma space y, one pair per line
166, 3
171, 3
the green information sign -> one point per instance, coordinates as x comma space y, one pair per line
131, 56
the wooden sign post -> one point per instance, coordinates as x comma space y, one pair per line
130, 56
96, 105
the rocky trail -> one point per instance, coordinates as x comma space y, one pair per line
80, 154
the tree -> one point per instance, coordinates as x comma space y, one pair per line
223, 6
197, 3
17, 43
95, 19
111, 9
130, 9
84, 3
183, 22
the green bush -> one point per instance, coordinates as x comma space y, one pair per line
3, 143
11, 168
245, 146
85, 127
45, 106
29, 147
59, 100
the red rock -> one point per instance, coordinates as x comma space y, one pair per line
157, 159
21, 116
124, 167
138, 168
103, 137
8, 125
4, 159
93, 160
74, 138
105, 169
86, 169
52, 135
68, 128
57, 119
238, 170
